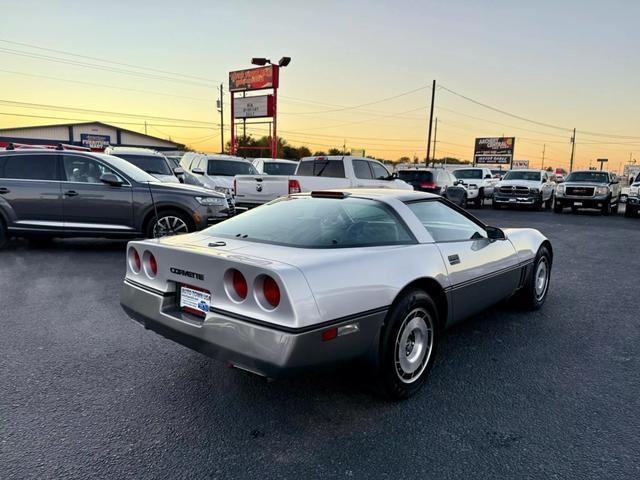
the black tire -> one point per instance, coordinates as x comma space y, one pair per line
478, 202
549, 203
152, 232
495, 205
532, 296
557, 208
606, 208
537, 205
4, 234
630, 211
615, 208
464, 203
402, 335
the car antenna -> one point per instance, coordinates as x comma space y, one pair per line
155, 209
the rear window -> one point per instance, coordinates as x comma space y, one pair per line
279, 168
309, 222
151, 164
30, 167
468, 174
321, 168
415, 176
230, 168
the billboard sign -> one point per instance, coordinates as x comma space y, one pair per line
95, 142
253, 79
253, 107
493, 151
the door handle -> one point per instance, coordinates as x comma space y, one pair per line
4, 190
71, 193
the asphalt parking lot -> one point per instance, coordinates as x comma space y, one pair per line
86, 393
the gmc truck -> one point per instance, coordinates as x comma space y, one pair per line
315, 173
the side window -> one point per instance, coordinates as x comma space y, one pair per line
444, 223
321, 168
30, 167
85, 170
361, 169
379, 172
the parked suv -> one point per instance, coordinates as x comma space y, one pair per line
589, 189
633, 200
274, 166
55, 193
217, 171
152, 162
478, 181
533, 188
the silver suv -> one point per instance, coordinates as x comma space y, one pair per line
60, 193
589, 189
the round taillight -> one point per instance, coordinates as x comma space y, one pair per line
153, 265
240, 284
137, 261
271, 291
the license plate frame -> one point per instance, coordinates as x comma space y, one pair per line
193, 300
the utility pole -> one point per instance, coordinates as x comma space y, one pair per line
344, 147
544, 148
145, 127
221, 110
435, 136
573, 148
433, 97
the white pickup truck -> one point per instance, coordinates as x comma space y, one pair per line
315, 173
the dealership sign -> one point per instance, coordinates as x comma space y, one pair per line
253, 107
95, 142
520, 164
253, 79
493, 151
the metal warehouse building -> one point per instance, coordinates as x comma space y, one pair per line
95, 135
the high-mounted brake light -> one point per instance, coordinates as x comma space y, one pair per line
294, 186
428, 185
271, 291
329, 194
240, 284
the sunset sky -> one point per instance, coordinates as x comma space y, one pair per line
560, 64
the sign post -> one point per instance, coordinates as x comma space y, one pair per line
602, 161
261, 106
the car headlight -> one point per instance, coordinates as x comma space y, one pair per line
560, 189
602, 191
471, 186
224, 190
634, 191
534, 190
211, 201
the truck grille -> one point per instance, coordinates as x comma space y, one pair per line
514, 190
580, 191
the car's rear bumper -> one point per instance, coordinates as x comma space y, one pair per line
262, 349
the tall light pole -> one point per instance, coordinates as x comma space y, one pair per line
221, 110
573, 147
433, 98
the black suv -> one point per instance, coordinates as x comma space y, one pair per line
63, 193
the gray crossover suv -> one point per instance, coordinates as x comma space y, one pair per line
63, 193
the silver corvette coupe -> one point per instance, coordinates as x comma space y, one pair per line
326, 277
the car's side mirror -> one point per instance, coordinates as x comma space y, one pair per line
110, 179
494, 233
198, 171
392, 176
487, 176
178, 171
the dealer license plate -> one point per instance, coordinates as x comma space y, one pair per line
577, 204
195, 300
513, 200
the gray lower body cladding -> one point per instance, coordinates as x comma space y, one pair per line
254, 347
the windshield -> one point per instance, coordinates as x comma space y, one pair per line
415, 176
230, 168
309, 222
280, 168
130, 170
468, 174
522, 175
151, 164
596, 177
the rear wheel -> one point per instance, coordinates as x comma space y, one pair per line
408, 344
615, 208
169, 222
557, 208
536, 287
4, 234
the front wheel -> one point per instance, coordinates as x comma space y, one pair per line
549, 203
536, 287
557, 208
479, 199
408, 344
169, 222
606, 208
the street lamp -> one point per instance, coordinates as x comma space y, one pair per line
283, 62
